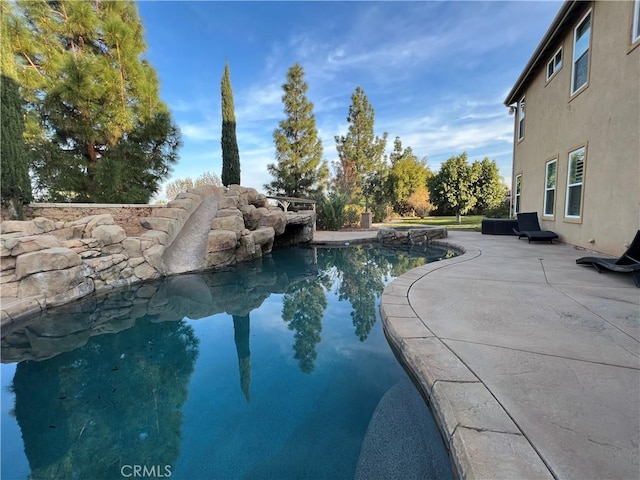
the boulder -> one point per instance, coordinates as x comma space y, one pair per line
132, 246
144, 271
230, 201
184, 204
36, 226
191, 196
250, 216
219, 240
170, 226
69, 232
108, 234
247, 248
10, 289
96, 221
231, 222
221, 258
165, 212
7, 263
264, 237
153, 256
255, 198
226, 212
153, 237
103, 263
113, 249
34, 243
57, 258
52, 283
276, 219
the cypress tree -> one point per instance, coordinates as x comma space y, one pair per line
230, 154
300, 170
16, 185
96, 127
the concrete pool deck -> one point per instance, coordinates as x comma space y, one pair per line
531, 363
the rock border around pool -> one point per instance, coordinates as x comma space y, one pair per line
482, 439
47, 263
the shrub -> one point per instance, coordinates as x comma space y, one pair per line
353, 215
501, 211
332, 214
419, 202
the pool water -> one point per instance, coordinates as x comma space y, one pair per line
271, 369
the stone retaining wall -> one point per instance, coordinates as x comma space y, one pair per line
126, 216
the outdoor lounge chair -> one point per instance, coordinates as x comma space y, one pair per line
529, 227
629, 262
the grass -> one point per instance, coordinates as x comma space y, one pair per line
471, 222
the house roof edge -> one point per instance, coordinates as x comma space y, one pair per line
558, 22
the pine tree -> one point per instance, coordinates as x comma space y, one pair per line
300, 170
361, 165
16, 185
96, 128
230, 154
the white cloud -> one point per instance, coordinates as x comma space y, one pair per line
200, 131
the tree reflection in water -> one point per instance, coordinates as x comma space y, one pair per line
88, 403
116, 401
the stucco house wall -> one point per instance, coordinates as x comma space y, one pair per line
603, 116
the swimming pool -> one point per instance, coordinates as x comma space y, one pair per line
276, 368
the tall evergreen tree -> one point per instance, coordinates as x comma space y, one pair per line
16, 185
96, 128
361, 165
300, 170
230, 154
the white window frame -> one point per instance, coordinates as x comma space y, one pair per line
555, 64
517, 189
547, 188
575, 184
587, 52
635, 26
521, 107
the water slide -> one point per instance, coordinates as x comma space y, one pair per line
186, 253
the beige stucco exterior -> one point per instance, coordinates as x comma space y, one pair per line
603, 116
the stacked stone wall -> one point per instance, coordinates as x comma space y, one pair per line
126, 216
410, 236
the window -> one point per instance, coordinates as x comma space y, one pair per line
550, 188
521, 119
575, 178
555, 63
581, 40
635, 28
518, 189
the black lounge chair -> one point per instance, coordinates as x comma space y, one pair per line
629, 262
529, 227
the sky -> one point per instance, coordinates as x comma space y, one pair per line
436, 73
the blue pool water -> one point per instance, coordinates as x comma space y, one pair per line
272, 369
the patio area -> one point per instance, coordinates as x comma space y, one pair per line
531, 362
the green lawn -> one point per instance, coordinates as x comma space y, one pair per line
471, 222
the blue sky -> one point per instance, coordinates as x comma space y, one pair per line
436, 73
